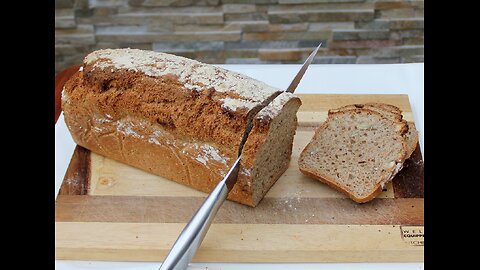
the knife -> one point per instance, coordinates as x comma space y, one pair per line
190, 239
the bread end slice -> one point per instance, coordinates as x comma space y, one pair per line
355, 151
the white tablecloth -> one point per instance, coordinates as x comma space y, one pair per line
332, 79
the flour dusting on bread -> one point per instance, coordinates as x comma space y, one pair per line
192, 74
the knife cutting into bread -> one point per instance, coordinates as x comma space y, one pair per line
184, 120
191, 237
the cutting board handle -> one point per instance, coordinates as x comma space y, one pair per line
60, 79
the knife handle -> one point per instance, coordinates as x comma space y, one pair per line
192, 235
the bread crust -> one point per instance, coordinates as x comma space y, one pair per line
393, 115
412, 139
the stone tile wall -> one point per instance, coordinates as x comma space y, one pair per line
244, 31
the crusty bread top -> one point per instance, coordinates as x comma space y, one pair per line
246, 92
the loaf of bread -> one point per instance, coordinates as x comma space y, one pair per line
181, 119
359, 148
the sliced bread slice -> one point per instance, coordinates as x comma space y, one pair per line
393, 113
356, 151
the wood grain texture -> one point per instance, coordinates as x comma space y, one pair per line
76, 180
409, 181
324, 102
237, 242
130, 215
408, 211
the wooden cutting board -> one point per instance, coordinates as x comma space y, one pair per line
106, 210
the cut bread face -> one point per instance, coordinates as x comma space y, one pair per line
275, 137
393, 113
356, 151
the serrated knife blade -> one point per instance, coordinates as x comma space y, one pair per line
293, 85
